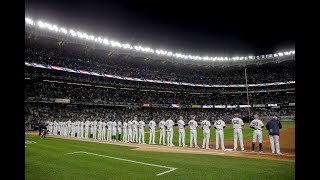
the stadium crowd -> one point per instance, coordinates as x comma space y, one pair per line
159, 70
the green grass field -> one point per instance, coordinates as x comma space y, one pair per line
46, 159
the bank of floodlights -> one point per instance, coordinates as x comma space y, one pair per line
138, 48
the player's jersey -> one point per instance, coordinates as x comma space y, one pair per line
119, 125
87, 124
109, 124
162, 124
152, 125
219, 124
257, 124
82, 124
114, 125
141, 125
134, 124
169, 123
95, 124
99, 124
205, 124
237, 123
104, 125
193, 124
125, 125
130, 124
181, 124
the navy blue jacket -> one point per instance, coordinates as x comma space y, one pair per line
275, 125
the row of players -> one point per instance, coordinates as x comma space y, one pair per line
133, 131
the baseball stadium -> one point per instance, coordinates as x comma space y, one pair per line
101, 108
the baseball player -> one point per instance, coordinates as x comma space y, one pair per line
130, 131
99, 129
82, 128
78, 129
69, 127
104, 124
91, 129
114, 130
219, 125
135, 130
73, 129
274, 126
95, 123
170, 125
125, 131
193, 132
86, 131
257, 125
206, 125
109, 130
152, 126
182, 133
162, 125
237, 123
141, 126
119, 126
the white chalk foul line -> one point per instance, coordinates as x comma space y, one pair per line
121, 159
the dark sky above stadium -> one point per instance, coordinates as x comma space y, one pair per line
204, 29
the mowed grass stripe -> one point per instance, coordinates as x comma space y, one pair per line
46, 160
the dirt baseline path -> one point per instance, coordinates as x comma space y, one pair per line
187, 150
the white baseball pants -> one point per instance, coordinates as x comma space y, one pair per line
108, 134
182, 135
170, 136
237, 133
257, 134
206, 137
125, 135
152, 136
141, 136
219, 135
274, 139
162, 136
135, 135
193, 138
130, 135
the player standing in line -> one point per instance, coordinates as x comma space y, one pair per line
86, 132
162, 125
95, 123
100, 130
169, 125
152, 126
237, 123
109, 130
103, 130
69, 127
114, 130
82, 128
125, 131
72, 129
78, 129
182, 133
257, 125
119, 129
274, 126
135, 130
206, 125
219, 125
193, 131
141, 126
130, 131
91, 128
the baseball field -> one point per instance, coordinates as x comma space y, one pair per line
71, 158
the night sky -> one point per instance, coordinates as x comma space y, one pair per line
232, 29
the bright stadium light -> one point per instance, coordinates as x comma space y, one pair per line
29, 21
280, 54
275, 55
63, 30
105, 41
41, 24
157, 51
72, 32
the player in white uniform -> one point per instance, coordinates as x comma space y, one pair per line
219, 125
193, 132
91, 128
206, 125
82, 128
72, 129
182, 133
169, 125
69, 127
237, 132
119, 126
109, 130
95, 123
99, 130
141, 131
78, 129
86, 132
130, 131
125, 131
135, 130
162, 125
257, 125
114, 130
152, 126
103, 130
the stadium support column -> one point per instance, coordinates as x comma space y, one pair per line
245, 73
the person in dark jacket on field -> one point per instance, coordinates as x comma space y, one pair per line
274, 126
